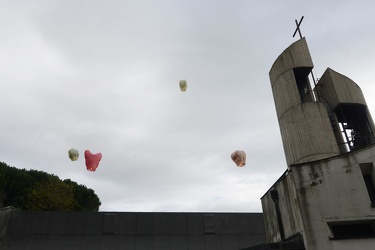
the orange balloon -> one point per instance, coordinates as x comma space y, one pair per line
239, 157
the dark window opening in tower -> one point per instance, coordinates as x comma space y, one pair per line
353, 230
354, 124
303, 84
368, 173
370, 187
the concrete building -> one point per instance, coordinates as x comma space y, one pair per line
326, 197
26, 230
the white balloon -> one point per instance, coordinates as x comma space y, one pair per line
73, 154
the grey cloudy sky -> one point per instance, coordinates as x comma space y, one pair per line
103, 76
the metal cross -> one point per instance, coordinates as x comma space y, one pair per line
297, 29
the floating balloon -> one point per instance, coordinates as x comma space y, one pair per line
239, 157
92, 160
73, 154
183, 85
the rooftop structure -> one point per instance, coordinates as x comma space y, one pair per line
129, 230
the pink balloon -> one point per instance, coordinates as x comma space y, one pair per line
92, 160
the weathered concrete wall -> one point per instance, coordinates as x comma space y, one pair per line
283, 81
358, 244
307, 133
270, 219
289, 210
337, 88
313, 195
284, 92
296, 55
333, 190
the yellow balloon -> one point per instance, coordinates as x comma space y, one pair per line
183, 85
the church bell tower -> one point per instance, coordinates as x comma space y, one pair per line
326, 197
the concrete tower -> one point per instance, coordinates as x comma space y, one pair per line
326, 197
303, 120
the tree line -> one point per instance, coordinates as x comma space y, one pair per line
39, 191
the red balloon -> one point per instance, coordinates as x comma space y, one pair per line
92, 160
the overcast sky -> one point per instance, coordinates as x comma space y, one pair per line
103, 76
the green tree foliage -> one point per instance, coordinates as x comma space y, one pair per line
50, 195
85, 198
17, 185
40, 191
